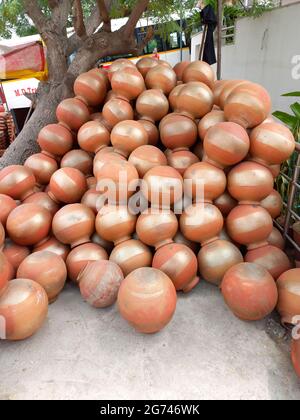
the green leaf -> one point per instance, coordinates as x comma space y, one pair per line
289, 120
296, 109
294, 94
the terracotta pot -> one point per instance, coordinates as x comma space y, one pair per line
2, 236
227, 88
54, 246
199, 71
249, 291
178, 132
162, 186
17, 181
5, 273
79, 258
271, 143
110, 95
24, 306
145, 64
117, 110
216, 258
108, 246
179, 69
128, 83
115, 223
225, 203
174, 96
28, 224
93, 136
295, 354
194, 100
182, 160
42, 167
248, 105
102, 158
249, 225
180, 239
147, 157
67, 185
250, 182
179, 263
117, 65
47, 269
55, 140
99, 283
43, 200
122, 175
198, 150
217, 90
128, 136
130, 255
90, 88
102, 74
90, 199
161, 77
91, 182
201, 222
157, 228
78, 159
273, 204
147, 300
208, 121
207, 182
226, 144
275, 170
7, 204
276, 239
288, 306
74, 224
72, 113
152, 131
152, 105
15, 254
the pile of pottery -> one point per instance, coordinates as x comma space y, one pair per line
152, 178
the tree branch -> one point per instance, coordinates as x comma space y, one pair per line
35, 13
135, 15
78, 21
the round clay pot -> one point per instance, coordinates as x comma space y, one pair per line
101, 158
207, 182
288, 306
178, 132
157, 228
42, 167
201, 222
179, 69
24, 306
2, 236
117, 65
295, 354
250, 182
194, 100
90, 88
17, 182
67, 185
28, 224
15, 254
271, 143
276, 239
180, 239
117, 110
179, 263
226, 89
275, 170
182, 160
72, 113
43, 199
217, 90
162, 186
271, 258
55, 140
198, 150
80, 256
128, 136
99, 283
47, 269
161, 77
174, 95
226, 144
248, 105
152, 105
78, 159
208, 121
102, 74
216, 258
74, 224
5, 273
93, 136
128, 83
115, 223
7, 204
225, 203
249, 225
91, 182
147, 300
147, 157
54, 246
273, 204
152, 131
199, 71
90, 199
130, 255
145, 64
108, 246
249, 291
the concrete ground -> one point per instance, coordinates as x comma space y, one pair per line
204, 353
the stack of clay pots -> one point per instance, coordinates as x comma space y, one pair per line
152, 178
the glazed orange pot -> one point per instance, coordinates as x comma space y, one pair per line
93, 136
199, 71
72, 113
152, 131
74, 224
273, 204
128, 136
5, 273
226, 90
90, 88
288, 306
179, 69
101, 158
42, 167
147, 300
152, 105
225, 203
145, 64
47, 269
54, 246
15, 254
67, 185
119, 64
115, 111
161, 77
179, 263
271, 258
55, 140
99, 283
276, 239
210, 120
24, 306
43, 199
147, 157
217, 90
295, 354
78, 159
7, 204
174, 95
182, 160
80, 256
128, 83
178, 132
17, 182
249, 291
92, 200
130, 255
194, 100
